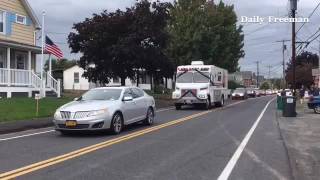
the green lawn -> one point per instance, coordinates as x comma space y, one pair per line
25, 108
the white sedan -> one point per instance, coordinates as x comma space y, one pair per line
106, 108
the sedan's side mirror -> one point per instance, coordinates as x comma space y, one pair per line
127, 98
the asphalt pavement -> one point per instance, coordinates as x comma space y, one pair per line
186, 144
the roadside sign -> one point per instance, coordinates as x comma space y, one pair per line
37, 98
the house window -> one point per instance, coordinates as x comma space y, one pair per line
21, 19
2, 20
2, 58
21, 60
76, 77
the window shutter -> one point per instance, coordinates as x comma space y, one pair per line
28, 21
10, 18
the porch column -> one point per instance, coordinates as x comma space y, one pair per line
8, 66
29, 67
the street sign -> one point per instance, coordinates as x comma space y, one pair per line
37, 96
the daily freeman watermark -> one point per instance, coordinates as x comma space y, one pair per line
273, 19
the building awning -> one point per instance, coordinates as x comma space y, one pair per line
26, 47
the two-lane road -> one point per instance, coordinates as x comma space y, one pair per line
185, 144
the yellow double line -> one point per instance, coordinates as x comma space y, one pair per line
52, 161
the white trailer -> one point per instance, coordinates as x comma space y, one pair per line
199, 84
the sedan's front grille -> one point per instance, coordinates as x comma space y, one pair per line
81, 114
78, 126
65, 114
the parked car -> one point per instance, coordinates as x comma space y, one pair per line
314, 103
251, 93
258, 92
239, 93
269, 92
262, 92
106, 108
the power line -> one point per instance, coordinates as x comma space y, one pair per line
308, 17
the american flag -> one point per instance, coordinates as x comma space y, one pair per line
51, 48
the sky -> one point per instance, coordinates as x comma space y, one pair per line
260, 39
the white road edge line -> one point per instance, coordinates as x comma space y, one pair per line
26, 135
44, 132
234, 159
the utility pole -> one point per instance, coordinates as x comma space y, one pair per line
257, 74
319, 67
284, 48
293, 5
269, 75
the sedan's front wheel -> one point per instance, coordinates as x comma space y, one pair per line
116, 123
150, 117
317, 109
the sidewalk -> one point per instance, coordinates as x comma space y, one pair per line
302, 139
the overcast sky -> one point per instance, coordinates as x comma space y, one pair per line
259, 39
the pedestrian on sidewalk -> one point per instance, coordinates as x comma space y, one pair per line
301, 93
314, 91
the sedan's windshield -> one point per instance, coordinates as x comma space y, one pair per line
193, 77
101, 94
239, 91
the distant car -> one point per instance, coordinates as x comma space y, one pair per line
262, 92
314, 103
258, 92
106, 108
269, 92
251, 93
239, 93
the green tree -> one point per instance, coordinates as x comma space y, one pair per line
305, 62
265, 85
61, 64
233, 85
122, 42
203, 30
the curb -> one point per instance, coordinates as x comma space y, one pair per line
16, 126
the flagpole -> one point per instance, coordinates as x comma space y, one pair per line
50, 64
42, 54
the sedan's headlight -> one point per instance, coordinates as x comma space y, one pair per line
57, 115
241, 94
233, 94
98, 112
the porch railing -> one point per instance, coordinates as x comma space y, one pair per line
27, 78
19, 77
35, 80
3, 76
53, 84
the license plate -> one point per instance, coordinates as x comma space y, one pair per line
71, 123
188, 101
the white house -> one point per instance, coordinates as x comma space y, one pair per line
18, 50
73, 80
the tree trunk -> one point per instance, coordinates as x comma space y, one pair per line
151, 82
123, 81
138, 78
